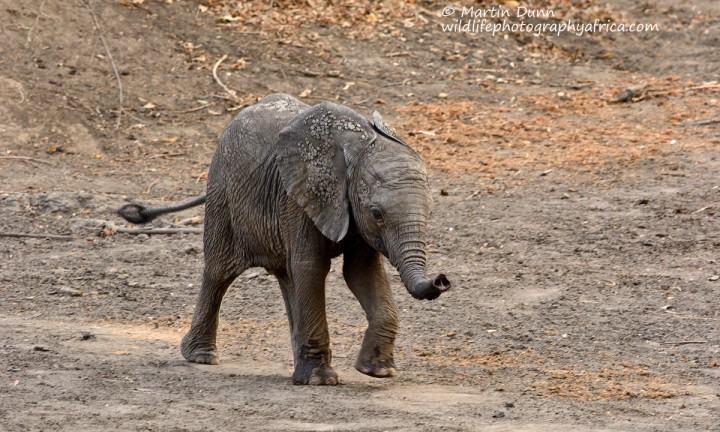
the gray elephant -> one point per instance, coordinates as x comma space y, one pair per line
292, 186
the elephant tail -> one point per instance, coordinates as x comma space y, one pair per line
137, 214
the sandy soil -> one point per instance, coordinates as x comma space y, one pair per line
578, 222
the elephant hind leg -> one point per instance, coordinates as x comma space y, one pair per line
198, 345
221, 269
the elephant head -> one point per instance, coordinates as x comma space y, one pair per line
342, 169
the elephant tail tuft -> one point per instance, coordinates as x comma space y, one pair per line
135, 213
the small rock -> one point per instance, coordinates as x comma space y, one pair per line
69, 292
191, 250
40, 348
713, 278
86, 336
509, 405
499, 414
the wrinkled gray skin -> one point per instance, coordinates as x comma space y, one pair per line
289, 188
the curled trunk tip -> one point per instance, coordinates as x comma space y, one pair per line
426, 289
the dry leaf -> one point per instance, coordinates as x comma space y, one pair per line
454, 57
305, 93
239, 64
199, 175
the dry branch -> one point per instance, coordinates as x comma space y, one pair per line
217, 79
707, 122
683, 342
149, 231
25, 158
704, 86
37, 236
166, 155
37, 21
192, 110
86, 3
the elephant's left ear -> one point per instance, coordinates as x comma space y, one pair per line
384, 129
313, 153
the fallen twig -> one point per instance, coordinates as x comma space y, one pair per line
236, 107
37, 236
150, 231
192, 110
713, 85
86, 3
25, 158
217, 79
166, 155
707, 122
683, 342
150, 186
400, 83
37, 21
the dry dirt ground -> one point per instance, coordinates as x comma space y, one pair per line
578, 220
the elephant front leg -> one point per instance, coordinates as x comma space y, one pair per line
364, 273
304, 294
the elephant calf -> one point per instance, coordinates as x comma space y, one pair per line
292, 186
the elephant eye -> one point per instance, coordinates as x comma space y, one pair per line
376, 214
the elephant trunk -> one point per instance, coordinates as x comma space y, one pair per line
410, 262
426, 289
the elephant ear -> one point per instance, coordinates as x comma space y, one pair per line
384, 129
314, 150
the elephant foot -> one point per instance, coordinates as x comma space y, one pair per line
196, 352
313, 368
323, 375
377, 368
